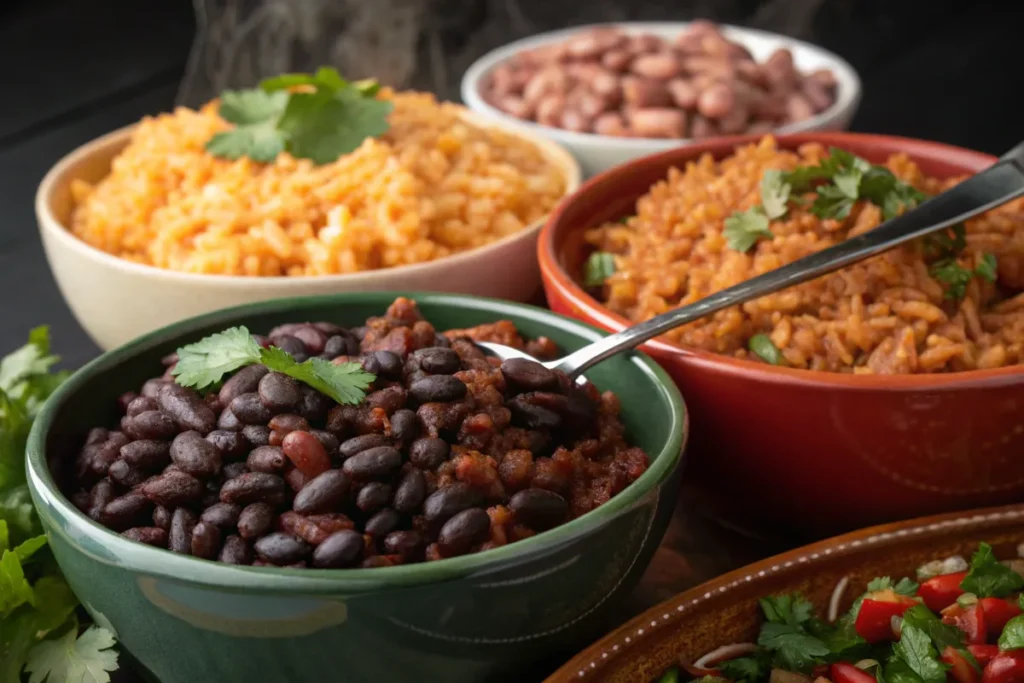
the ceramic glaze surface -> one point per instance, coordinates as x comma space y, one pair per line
803, 450
467, 619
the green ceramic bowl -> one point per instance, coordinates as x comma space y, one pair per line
480, 617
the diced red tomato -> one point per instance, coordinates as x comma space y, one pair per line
874, 620
1006, 667
970, 620
998, 611
983, 653
960, 667
848, 673
939, 592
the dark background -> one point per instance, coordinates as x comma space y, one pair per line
74, 69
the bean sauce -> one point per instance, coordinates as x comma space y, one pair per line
449, 453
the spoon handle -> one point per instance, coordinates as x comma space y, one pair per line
998, 184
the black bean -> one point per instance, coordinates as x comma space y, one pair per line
257, 435
230, 445
382, 523
147, 455
323, 493
150, 535
269, 459
442, 504
228, 421
154, 424
373, 496
172, 489
530, 416
539, 509
195, 455
244, 381
340, 345
340, 549
105, 454
281, 549
374, 463
327, 440
312, 338
222, 515
411, 492
313, 405
358, 444
523, 374
126, 475
205, 540
187, 408
279, 393
389, 364
404, 426
162, 517
464, 530
437, 388
249, 409
254, 487
408, 544
359, 332
100, 494
179, 538
124, 512
370, 364
442, 341
290, 345
141, 404
438, 361
234, 469
428, 453
235, 551
255, 520
152, 387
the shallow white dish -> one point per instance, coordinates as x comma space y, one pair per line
598, 153
117, 300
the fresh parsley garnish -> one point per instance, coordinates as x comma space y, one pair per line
942, 635
784, 634
598, 268
322, 120
990, 578
37, 607
744, 228
204, 363
956, 277
1012, 637
916, 650
766, 350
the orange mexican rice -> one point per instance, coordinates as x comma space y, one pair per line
889, 314
433, 185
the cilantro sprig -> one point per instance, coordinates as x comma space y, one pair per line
38, 611
318, 116
598, 267
990, 578
203, 364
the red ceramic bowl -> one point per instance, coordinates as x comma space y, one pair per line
802, 451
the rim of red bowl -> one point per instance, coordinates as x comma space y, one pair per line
590, 310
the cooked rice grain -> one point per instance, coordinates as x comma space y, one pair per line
432, 186
886, 315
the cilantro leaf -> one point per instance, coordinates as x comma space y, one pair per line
942, 635
744, 228
324, 125
345, 382
774, 193
915, 648
15, 589
904, 586
766, 350
946, 243
745, 669
246, 107
70, 659
988, 577
832, 202
848, 182
956, 278
841, 638
897, 670
790, 608
1012, 637
326, 78
986, 268
205, 362
794, 648
259, 141
599, 266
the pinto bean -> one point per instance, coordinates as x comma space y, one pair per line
658, 122
660, 66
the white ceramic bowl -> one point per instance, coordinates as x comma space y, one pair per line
117, 300
597, 153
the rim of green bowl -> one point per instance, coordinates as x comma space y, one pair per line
165, 564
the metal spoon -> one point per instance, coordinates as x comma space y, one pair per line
996, 185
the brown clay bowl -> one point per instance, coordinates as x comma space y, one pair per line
813, 452
725, 610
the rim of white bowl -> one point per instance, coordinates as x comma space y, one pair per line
58, 230
848, 82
